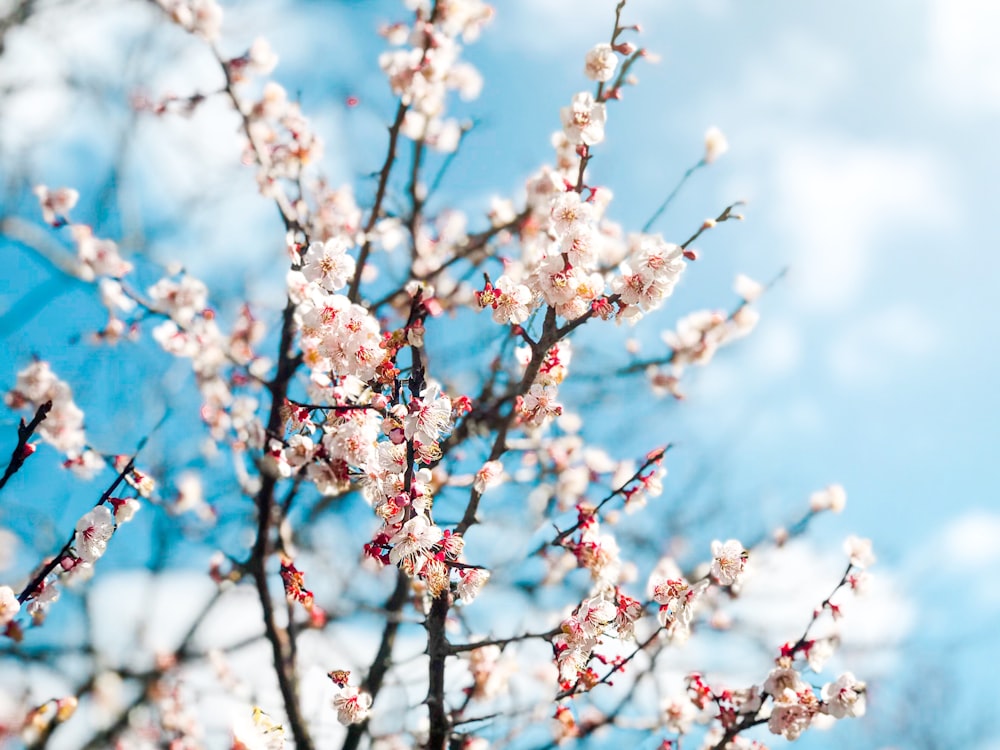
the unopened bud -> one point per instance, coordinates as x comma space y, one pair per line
691, 254
708, 224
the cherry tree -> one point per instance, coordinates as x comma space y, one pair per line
417, 542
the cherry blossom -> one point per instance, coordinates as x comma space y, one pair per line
353, 705
859, 550
97, 257
415, 538
601, 63
328, 264
429, 417
470, 583
356, 399
56, 204
583, 120
260, 732
489, 476
845, 697
93, 531
63, 427
679, 714
728, 561
9, 605
792, 713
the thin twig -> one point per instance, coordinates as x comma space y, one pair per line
21, 450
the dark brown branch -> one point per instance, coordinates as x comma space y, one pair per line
653, 458
21, 450
438, 650
52, 564
383, 657
383, 181
282, 648
462, 647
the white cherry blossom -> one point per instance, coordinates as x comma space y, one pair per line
353, 705
845, 697
583, 120
56, 204
328, 264
9, 605
729, 559
415, 538
601, 62
859, 550
93, 531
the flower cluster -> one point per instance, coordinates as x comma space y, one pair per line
427, 66
62, 427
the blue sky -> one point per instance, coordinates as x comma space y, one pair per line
862, 136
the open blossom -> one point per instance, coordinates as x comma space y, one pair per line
56, 204
429, 417
677, 601
9, 605
729, 561
845, 697
698, 336
259, 733
781, 679
261, 57
63, 427
600, 63
859, 551
328, 264
583, 120
792, 713
678, 714
201, 17
97, 257
417, 537
182, 300
93, 531
470, 583
539, 404
353, 706
651, 274
511, 302
569, 211
490, 475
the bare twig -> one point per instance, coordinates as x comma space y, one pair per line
21, 450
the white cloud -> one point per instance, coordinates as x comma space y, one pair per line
868, 351
836, 200
970, 541
963, 65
